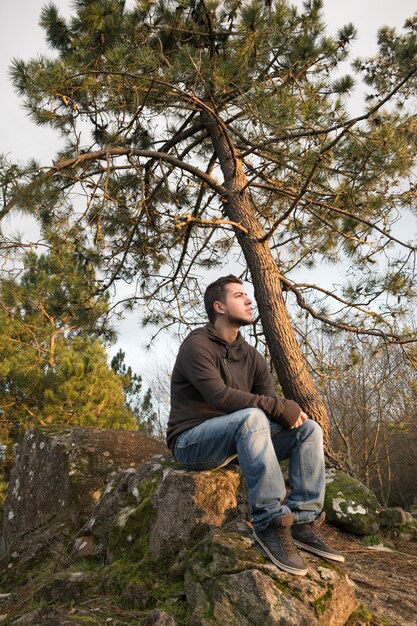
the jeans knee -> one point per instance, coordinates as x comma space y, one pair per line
312, 431
256, 420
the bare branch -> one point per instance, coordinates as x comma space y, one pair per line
339, 324
184, 220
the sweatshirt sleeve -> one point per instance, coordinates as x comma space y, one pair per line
198, 365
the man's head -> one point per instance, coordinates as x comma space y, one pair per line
227, 298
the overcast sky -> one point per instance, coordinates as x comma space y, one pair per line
21, 36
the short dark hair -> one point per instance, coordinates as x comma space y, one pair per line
217, 292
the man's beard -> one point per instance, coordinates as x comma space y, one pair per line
239, 321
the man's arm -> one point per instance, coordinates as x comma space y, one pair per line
198, 365
264, 385
303, 417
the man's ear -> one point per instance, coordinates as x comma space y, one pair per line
218, 307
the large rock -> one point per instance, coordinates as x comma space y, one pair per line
188, 504
350, 505
229, 581
394, 517
161, 508
59, 476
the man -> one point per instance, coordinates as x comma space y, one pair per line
223, 405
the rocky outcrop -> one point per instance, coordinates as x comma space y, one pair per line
228, 581
197, 522
350, 505
59, 476
157, 545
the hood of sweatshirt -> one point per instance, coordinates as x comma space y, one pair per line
230, 351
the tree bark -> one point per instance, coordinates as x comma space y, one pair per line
287, 358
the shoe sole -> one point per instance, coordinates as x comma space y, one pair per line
325, 555
283, 566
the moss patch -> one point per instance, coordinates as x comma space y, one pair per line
129, 539
55, 429
370, 540
409, 528
208, 612
153, 578
108, 598
321, 603
361, 615
135, 577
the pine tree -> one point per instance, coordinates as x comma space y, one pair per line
53, 363
222, 127
139, 403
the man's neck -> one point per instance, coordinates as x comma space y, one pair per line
228, 332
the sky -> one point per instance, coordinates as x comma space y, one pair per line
21, 36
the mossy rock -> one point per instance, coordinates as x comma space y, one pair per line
350, 505
130, 530
59, 475
229, 581
360, 617
146, 585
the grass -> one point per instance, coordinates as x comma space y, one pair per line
370, 540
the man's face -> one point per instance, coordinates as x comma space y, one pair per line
237, 305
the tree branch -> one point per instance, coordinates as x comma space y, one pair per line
187, 219
341, 325
105, 153
290, 194
331, 145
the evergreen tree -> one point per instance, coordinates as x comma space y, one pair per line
139, 403
53, 366
217, 124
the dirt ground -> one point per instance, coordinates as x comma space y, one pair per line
386, 582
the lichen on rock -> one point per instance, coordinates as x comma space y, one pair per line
349, 504
157, 544
228, 581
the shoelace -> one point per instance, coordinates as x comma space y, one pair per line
315, 526
287, 541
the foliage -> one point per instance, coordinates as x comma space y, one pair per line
323, 186
371, 395
139, 404
200, 132
53, 364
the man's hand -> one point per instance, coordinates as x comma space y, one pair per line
301, 419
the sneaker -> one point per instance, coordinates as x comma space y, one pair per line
305, 537
277, 542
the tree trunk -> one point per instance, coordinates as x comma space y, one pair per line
285, 351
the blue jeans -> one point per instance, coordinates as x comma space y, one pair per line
259, 445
